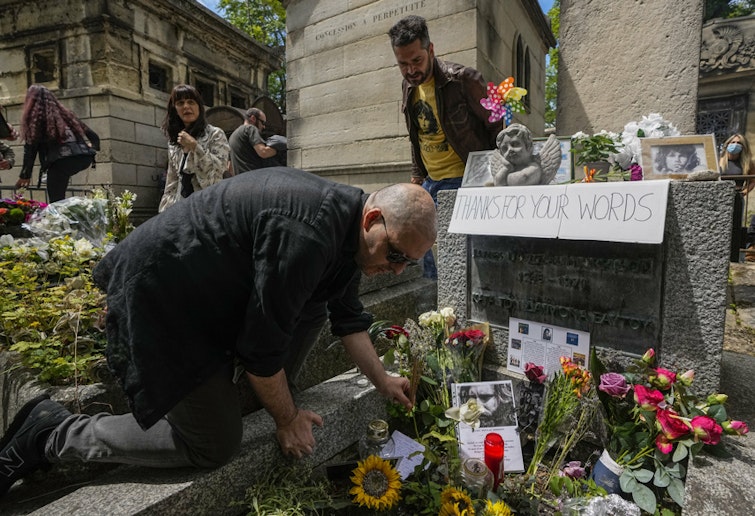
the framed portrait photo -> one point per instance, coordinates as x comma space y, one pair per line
477, 170
565, 171
675, 157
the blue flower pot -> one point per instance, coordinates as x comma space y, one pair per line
606, 473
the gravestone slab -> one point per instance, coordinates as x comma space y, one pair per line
671, 297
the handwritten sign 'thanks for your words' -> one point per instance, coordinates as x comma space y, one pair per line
626, 211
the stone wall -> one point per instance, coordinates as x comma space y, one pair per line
619, 61
114, 63
344, 88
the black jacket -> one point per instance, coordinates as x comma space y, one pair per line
226, 273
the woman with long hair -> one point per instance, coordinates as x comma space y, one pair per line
737, 160
54, 132
197, 151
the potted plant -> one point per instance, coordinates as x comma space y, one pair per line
595, 153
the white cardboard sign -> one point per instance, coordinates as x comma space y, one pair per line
625, 211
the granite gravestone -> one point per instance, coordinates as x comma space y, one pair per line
609, 289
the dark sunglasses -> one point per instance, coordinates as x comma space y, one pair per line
394, 255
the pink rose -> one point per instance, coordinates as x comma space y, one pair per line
686, 378
534, 372
672, 426
635, 172
614, 384
663, 444
735, 427
662, 378
706, 429
573, 469
647, 399
649, 356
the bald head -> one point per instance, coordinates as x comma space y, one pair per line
407, 207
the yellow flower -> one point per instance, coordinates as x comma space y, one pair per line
376, 484
497, 509
455, 502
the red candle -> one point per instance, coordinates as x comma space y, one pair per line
494, 456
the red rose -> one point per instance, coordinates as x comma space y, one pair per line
672, 426
647, 399
706, 429
534, 372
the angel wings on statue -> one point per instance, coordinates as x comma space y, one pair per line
515, 164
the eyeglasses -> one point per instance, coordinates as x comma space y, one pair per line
394, 255
263, 122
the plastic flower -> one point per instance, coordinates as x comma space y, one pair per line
573, 469
395, 331
686, 378
448, 314
534, 373
468, 413
376, 484
663, 444
614, 384
580, 378
735, 427
671, 424
635, 172
706, 429
503, 100
662, 378
455, 502
647, 399
497, 509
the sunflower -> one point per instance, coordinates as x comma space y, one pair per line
455, 502
376, 484
497, 509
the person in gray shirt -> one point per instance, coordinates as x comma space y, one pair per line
248, 149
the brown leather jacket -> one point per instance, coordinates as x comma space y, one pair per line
458, 90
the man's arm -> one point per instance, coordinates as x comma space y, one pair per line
263, 151
294, 426
360, 349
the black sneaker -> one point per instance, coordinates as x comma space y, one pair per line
22, 447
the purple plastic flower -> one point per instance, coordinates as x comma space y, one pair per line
614, 384
635, 172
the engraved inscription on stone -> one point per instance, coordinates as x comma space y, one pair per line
610, 289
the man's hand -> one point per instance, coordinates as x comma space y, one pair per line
396, 389
295, 438
22, 183
417, 181
360, 349
4, 164
294, 426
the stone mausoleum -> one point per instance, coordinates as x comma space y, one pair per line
114, 62
344, 87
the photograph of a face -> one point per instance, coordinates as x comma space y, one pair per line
675, 157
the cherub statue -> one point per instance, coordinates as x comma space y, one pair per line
515, 165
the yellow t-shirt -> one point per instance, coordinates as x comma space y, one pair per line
437, 154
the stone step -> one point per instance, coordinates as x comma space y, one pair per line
344, 403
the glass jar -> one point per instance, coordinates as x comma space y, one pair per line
377, 441
476, 477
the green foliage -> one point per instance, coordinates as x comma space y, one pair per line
264, 21
551, 69
51, 311
728, 8
288, 491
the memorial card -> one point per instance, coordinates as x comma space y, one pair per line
495, 401
544, 345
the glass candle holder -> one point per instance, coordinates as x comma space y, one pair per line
476, 477
494, 451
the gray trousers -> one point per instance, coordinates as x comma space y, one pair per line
203, 430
